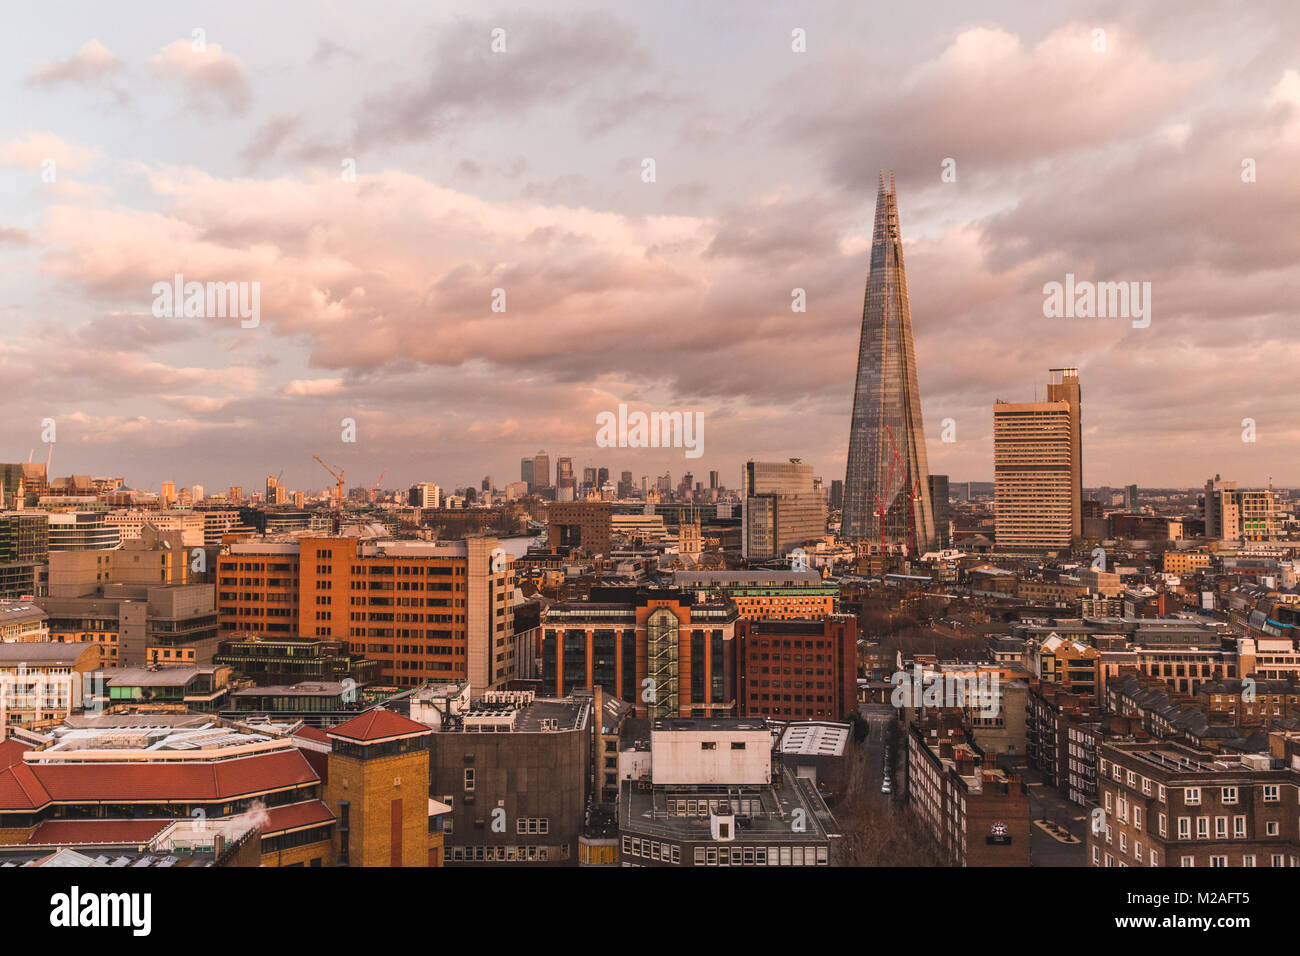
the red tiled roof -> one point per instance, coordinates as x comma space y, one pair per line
295, 816
377, 724
35, 785
20, 789
11, 752
104, 832
313, 733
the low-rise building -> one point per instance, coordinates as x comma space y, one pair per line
977, 813
715, 792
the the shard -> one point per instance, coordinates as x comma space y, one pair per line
886, 485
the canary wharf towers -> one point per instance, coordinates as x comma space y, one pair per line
886, 486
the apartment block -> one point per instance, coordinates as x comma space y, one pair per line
1169, 804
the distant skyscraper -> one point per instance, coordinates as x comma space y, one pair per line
541, 471
837, 494
168, 495
488, 484
1130, 497
1037, 468
781, 508
713, 481
565, 483
942, 510
887, 480
526, 474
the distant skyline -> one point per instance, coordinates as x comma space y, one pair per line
128, 155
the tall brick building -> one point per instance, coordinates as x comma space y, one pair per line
425, 610
799, 669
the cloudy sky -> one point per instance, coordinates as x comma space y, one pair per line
218, 141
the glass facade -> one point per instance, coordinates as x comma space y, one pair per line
887, 478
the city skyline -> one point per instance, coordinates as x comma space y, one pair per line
377, 292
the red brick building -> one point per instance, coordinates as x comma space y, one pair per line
797, 670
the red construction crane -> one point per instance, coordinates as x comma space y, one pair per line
374, 489
338, 498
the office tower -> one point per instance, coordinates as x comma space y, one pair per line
1232, 514
488, 484
886, 483
1063, 386
463, 577
942, 510
1130, 497
781, 508
837, 494
24, 551
1038, 494
526, 474
713, 481
299, 500
541, 471
271, 483
589, 478
566, 485
281, 495
23, 484
602, 476
625, 485
196, 493
168, 494
235, 495
425, 494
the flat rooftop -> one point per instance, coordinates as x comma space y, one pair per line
763, 813
183, 733
708, 723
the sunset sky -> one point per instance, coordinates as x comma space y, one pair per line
522, 170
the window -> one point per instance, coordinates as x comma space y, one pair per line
1229, 794
1202, 828
708, 745
1192, 796
1184, 828
469, 778
1270, 793
738, 745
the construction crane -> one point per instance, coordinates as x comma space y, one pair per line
338, 497
374, 489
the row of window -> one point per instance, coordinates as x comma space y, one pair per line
762, 856
504, 854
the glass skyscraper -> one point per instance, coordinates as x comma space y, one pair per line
886, 485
